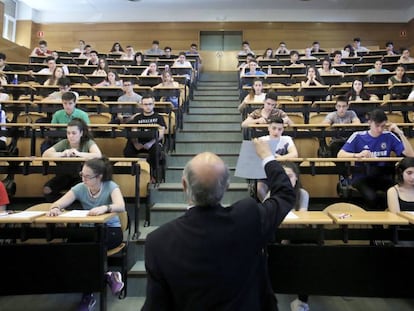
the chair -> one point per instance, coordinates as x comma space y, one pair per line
44, 207
343, 207
395, 117
118, 256
317, 118
100, 118
297, 118
30, 117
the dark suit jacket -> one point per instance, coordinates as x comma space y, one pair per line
212, 258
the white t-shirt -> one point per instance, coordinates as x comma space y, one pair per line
283, 145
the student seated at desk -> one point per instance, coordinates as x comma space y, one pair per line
65, 115
3, 139
129, 96
312, 79
400, 197
379, 141
285, 149
294, 59
57, 73
256, 95
400, 77
98, 194
64, 86
342, 115
138, 145
327, 69
102, 68
41, 50
253, 69
168, 81
405, 56
265, 114
358, 93
377, 68
151, 70
267, 55
78, 143
112, 80
3, 65
4, 198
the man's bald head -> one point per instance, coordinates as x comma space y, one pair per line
205, 179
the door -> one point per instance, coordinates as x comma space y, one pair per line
219, 49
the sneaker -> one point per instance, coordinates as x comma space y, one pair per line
87, 303
297, 305
114, 280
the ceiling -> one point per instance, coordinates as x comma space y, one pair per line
48, 11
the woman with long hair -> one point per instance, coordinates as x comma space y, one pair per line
78, 143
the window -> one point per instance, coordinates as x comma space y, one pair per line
9, 23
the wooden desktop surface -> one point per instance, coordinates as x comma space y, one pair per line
14, 218
77, 220
308, 218
407, 215
367, 218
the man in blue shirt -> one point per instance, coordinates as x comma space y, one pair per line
379, 141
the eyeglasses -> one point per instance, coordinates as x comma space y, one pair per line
88, 177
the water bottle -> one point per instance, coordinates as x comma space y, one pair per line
167, 68
269, 70
15, 79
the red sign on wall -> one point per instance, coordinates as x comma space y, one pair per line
40, 34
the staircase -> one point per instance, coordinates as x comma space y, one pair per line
212, 124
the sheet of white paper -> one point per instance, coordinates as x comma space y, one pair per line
27, 214
249, 165
411, 213
75, 213
291, 215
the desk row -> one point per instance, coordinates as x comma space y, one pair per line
331, 79
293, 218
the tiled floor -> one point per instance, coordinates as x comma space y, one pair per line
69, 302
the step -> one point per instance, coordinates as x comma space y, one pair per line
212, 127
181, 159
207, 87
175, 173
223, 147
214, 110
214, 104
218, 118
209, 137
216, 92
214, 96
173, 193
137, 280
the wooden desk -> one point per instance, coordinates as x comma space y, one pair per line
25, 217
307, 226
407, 215
100, 219
77, 266
308, 218
344, 270
367, 218
39, 165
